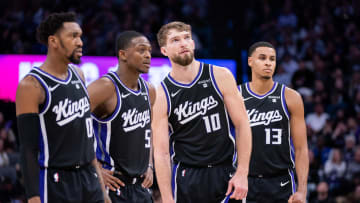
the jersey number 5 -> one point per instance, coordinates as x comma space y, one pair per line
273, 136
147, 138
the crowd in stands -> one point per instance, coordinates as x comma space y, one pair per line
318, 54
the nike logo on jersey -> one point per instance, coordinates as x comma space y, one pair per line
189, 110
134, 119
173, 94
245, 99
67, 110
283, 184
123, 96
51, 89
263, 118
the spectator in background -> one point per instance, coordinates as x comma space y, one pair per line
355, 196
7, 174
303, 77
353, 166
316, 120
282, 76
322, 195
356, 102
334, 170
349, 150
289, 64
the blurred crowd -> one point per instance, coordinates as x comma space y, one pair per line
10, 176
100, 21
318, 54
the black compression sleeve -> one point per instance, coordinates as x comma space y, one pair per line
29, 131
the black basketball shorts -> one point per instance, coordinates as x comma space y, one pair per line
132, 191
277, 189
71, 186
201, 184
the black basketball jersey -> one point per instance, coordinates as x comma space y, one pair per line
272, 149
198, 120
66, 137
123, 138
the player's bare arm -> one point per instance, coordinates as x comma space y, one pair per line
161, 145
28, 97
236, 109
298, 133
102, 97
102, 103
148, 181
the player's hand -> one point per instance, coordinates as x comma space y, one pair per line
35, 199
148, 178
297, 197
110, 180
238, 184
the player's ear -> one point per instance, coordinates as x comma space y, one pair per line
163, 51
122, 55
250, 60
52, 41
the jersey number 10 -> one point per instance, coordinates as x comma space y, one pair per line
212, 122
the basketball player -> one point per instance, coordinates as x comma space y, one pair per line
53, 110
276, 115
194, 102
121, 104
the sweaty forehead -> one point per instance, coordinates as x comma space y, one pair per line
264, 51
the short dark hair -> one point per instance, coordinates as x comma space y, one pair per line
52, 24
123, 40
259, 44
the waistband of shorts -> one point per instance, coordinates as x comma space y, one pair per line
128, 179
68, 168
224, 163
270, 175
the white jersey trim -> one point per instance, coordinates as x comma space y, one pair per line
248, 89
53, 78
117, 108
128, 89
213, 82
45, 140
47, 92
192, 83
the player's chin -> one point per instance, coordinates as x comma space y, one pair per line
145, 68
266, 77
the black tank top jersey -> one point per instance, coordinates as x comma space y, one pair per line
272, 149
198, 120
66, 137
123, 139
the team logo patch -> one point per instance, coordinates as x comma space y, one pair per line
56, 177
